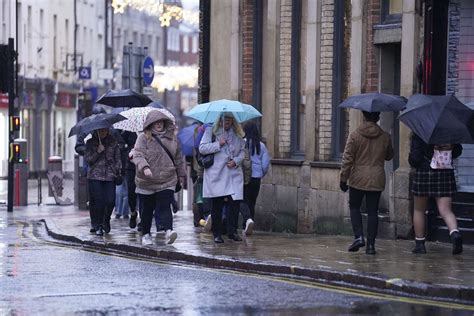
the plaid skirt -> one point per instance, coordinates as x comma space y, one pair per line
434, 183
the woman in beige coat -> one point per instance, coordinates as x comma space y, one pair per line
158, 173
367, 149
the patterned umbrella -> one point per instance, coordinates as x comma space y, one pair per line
136, 118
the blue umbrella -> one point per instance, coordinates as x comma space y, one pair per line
186, 139
209, 112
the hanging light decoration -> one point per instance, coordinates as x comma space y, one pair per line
165, 10
174, 77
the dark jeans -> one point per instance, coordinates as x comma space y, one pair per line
372, 199
158, 202
101, 201
232, 215
251, 191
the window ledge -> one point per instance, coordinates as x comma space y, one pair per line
287, 162
326, 164
388, 26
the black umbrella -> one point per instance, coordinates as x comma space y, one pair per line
94, 122
439, 119
375, 102
127, 98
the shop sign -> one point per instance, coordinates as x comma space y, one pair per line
66, 100
3, 100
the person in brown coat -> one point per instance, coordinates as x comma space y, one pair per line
362, 172
158, 172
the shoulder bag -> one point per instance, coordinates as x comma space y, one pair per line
206, 161
178, 185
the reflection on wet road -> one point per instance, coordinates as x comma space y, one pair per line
38, 277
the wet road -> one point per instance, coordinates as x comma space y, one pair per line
38, 276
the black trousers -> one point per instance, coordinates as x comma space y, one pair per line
132, 196
372, 199
251, 191
101, 201
232, 215
158, 202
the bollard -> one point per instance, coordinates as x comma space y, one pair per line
55, 169
80, 183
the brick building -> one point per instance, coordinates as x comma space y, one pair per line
296, 60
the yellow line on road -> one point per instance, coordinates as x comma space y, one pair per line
298, 282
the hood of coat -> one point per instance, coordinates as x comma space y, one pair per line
156, 115
370, 130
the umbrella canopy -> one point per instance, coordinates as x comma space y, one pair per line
186, 139
136, 118
209, 112
439, 119
94, 122
375, 102
127, 98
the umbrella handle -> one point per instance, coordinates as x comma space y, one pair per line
98, 136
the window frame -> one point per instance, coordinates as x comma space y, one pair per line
386, 17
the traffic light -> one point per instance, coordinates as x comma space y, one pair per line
15, 123
15, 152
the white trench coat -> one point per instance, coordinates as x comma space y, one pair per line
220, 180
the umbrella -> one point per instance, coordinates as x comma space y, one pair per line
375, 102
124, 98
209, 112
439, 119
136, 118
94, 122
186, 139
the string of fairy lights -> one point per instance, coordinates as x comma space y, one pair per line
165, 10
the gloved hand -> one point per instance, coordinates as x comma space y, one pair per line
343, 186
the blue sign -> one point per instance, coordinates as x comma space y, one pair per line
148, 70
85, 72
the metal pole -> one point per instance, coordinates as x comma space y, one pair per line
11, 109
130, 52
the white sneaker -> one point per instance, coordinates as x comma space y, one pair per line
208, 224
171, 236
249, 227
146, 240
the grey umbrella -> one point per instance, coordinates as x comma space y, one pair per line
439, 119
94, 122
375, 102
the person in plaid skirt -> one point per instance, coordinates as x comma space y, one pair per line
436, 183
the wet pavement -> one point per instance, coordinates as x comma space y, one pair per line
39, 277
437, 273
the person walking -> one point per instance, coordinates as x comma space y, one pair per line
135, 206
159, 168
363, 173
102, 155
260, 163
434, 177
223, 181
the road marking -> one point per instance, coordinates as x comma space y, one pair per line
282, 279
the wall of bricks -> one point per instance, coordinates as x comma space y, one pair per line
284, 82
454, 29
247, 51
326, 80
371, 82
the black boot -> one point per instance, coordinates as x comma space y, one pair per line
370, 249
133, 220
358, 243
457, 242
419, 246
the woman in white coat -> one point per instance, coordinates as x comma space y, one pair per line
224, 180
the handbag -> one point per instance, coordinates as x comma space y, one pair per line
442, 159
206, 161
178, 186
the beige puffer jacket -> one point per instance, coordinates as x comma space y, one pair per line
367, 149
149, 153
